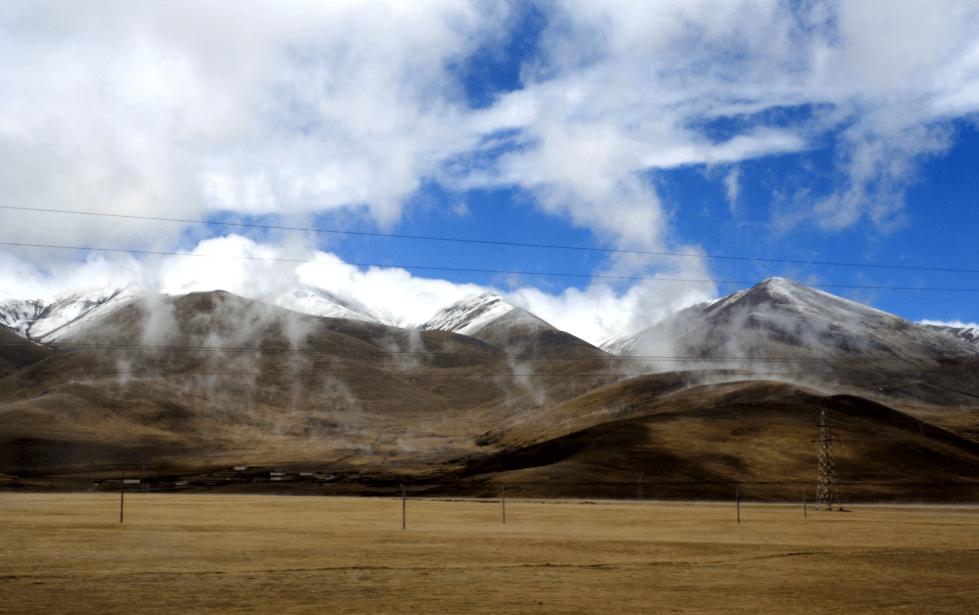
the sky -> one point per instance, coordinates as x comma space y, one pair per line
601, 163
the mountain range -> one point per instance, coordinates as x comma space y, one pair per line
336, 396
481, 316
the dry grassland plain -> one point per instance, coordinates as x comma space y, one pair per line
68, 553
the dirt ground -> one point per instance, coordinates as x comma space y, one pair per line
68, 553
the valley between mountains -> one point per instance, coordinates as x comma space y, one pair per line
306, 393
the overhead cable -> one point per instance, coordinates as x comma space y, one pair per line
472, 270
499, 243
421, 353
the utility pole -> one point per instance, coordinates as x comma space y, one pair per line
503, 488
737, 497
826, 491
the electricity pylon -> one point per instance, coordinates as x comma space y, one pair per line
826, 491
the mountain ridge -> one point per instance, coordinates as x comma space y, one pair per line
212, 380
494, 320
787, 312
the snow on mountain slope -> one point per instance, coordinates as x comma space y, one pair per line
779, 316
470, 315
319, 302
19, 314
70, 313
49, 320
495, 321
46, 321
969, 334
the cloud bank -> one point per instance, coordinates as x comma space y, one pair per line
958, 324
260, 271
294, 108
185, 108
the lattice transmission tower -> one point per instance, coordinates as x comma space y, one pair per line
826, 492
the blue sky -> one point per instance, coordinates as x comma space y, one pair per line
787, 131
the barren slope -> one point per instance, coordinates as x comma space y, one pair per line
211, 378
17, 352
207, 381
697, 441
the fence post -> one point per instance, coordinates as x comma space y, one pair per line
737, 497
804, 515
122, 495
404, 500
503, 485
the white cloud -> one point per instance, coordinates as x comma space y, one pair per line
24, 279
733, 188
889, 72
950, 323
258, 270
600, 313
177, 108
299, 106
292, 107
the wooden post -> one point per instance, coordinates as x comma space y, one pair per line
404, 501
737, 497
503, 485
804, 515
122, 495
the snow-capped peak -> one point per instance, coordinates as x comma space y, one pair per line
469, 315
792, 311
316, 301
47, 320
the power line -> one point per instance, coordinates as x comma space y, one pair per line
678, 483
496, 375
499, 243
422, 353
471, 270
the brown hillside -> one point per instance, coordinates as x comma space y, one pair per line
17, 352
207, 381
697, 443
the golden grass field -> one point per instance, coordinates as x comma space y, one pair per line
68, 553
